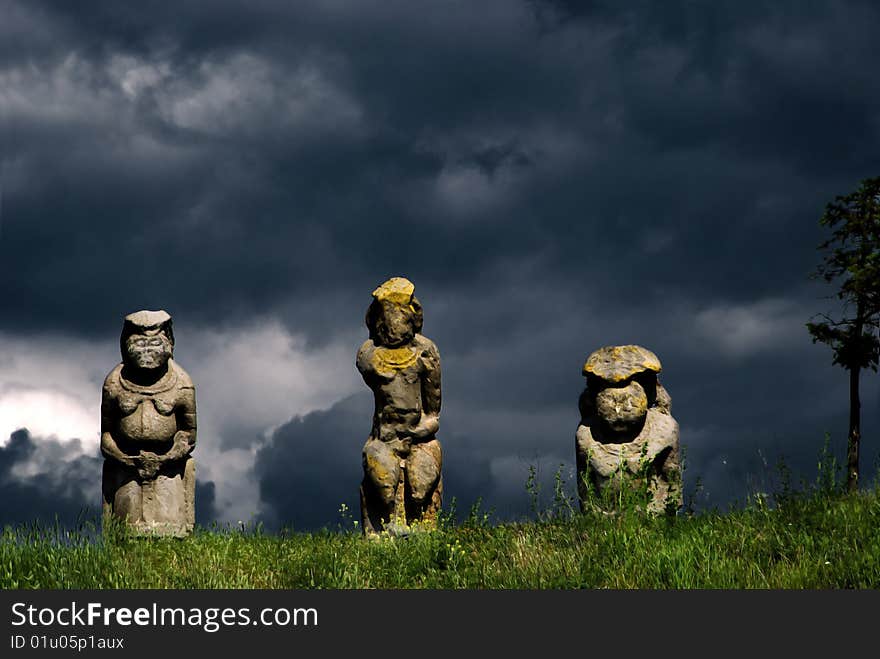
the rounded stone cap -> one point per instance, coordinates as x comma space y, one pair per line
619, 363
148, 319
398, 290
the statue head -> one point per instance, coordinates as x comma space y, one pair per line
622, 409
147, 341
622, 382
395, 315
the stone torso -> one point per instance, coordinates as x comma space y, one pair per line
395, 376
606, 453
146, 416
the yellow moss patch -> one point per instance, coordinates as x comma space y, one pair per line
617, 363
394, 359
398, 290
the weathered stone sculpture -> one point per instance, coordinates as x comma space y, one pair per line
402, 485
148, 432
627, 436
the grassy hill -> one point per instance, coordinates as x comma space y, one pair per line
817, 539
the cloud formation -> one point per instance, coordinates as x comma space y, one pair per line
554, 176
44, 479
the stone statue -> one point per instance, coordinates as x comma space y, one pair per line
402, 484
148, 431
627, 435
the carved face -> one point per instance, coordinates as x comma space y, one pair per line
394, 326
148, 350
622, 408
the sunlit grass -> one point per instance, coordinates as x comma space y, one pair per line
816, 539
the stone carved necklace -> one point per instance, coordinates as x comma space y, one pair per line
165, 383
394, 359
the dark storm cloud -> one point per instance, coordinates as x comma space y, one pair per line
449, 131
206, 503
554, 176
44, 479
311, 466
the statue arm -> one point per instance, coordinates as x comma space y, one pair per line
671, 470
185, 437
431, 382
664, 400
429, 424
363, 361
109, 448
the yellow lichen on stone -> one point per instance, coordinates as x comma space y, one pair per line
394, 359
398, 290
378, 470
618, 363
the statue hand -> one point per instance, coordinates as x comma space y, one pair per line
148, 465
110, 451
388, 432
182, 446
125, 460
426, 428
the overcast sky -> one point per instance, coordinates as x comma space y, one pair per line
553, 177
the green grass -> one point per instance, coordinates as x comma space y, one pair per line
808, 540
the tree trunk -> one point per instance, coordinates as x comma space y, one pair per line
855, 432
852, 446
